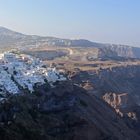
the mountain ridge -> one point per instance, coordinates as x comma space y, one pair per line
12, 39
57, 38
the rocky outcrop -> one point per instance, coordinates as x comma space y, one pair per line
121, 103
116, 100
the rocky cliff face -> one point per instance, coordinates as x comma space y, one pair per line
64, 112
122, 50
116, 79
118, 86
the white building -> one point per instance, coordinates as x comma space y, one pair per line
17, 71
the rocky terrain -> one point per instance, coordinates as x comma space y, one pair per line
97, 101
64, 112
61, 89
116, 85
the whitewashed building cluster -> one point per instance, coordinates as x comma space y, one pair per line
23, 71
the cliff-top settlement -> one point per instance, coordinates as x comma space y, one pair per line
19, 71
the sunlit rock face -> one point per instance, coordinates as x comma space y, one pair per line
121, 103
116, 100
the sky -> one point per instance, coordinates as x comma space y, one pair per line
106, 21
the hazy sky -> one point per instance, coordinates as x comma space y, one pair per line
112, 21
